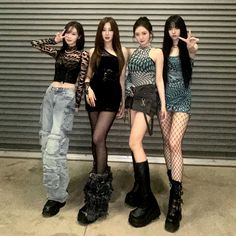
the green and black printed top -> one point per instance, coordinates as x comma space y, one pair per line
141, 69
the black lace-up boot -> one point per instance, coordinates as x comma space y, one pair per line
174, 214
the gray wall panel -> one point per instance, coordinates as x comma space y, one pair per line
25, 73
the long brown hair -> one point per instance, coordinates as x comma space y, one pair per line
99, 44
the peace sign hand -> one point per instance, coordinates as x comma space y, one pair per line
59, 36
190, 40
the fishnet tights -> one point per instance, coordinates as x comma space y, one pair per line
100, 123
173, 130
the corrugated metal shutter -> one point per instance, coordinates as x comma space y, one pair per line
25, 73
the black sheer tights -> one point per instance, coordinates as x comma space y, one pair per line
173, 130
101, 123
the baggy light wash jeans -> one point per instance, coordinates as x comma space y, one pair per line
57, 115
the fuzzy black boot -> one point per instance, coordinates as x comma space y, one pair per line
133, 198
174, 214
148, 210
98, 192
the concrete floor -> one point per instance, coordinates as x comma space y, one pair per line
209, 201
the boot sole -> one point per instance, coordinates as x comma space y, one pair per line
51, 213
148, 219
170, 227
83, 220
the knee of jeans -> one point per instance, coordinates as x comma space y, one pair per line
53, 144
57, 145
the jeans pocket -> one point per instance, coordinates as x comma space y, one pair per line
53, 145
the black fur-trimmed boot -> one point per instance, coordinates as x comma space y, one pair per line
174, 214
98, 191
149, 209
133, 198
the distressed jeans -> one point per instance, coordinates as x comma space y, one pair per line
57, 115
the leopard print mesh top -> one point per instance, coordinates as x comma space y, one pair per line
70, 65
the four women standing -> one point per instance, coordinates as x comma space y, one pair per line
105, 100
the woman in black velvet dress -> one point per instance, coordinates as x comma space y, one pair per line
105, 95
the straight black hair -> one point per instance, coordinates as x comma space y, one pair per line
176, 21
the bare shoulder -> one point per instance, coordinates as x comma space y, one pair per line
125, 51
91, 50
130, 51
156, 53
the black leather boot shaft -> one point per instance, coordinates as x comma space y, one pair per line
148, 210
133, 198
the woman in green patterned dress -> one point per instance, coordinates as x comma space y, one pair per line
179, 49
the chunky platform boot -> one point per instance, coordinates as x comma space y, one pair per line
51, 208
98, 192
174, 214
133, 198
149, 209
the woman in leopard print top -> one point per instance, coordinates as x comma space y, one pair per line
61, 99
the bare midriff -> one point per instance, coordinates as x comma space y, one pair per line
56, 84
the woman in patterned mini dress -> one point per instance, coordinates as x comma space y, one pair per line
179, 49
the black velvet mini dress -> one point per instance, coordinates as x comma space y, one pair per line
106, 85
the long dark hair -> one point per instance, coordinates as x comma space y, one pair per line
177, 22
99, 44
80, 41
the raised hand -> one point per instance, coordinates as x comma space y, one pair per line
59, 36
190, 40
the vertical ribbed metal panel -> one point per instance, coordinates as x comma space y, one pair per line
25, 73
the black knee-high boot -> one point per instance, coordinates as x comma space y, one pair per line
148, 210
132, 198
98, 192
174, 214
